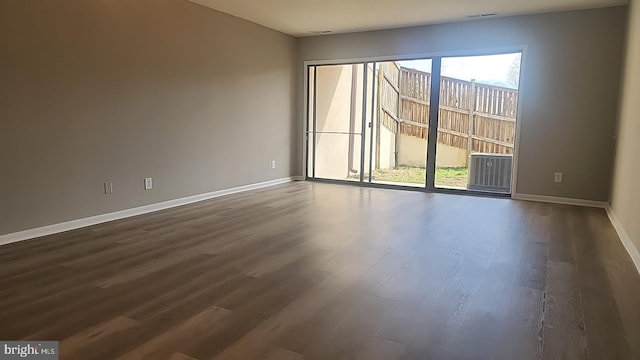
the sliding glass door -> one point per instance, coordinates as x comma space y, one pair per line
404, 123
477, 122
367, 123
338, 106
401, 126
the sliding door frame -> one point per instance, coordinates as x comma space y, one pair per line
434, 114
436, 58
374, 102
363, 129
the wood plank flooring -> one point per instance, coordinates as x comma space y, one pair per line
322, 271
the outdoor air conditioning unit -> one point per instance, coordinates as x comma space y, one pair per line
490, 172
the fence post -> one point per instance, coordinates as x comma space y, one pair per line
472, 109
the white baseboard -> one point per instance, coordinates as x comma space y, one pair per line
297, 178
98, 219
625, 238
561, 200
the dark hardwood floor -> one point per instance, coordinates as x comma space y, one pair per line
321, 271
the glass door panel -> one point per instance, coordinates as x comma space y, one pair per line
336, 110
477, 122
399, 143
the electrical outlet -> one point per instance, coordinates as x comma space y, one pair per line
108, 187
148, 183
557, 177
273, 164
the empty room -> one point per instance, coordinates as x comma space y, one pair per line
321, 179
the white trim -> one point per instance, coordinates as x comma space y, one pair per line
98, 219
560, 200
625, 238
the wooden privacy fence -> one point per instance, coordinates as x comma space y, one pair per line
389, 93
472, 116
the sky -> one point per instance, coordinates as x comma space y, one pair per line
490, 69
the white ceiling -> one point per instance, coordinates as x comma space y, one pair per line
305, 17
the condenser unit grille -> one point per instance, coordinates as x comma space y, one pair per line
490, 172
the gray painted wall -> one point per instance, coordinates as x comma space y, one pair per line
626, 182
95, 91
200, 101
570, 89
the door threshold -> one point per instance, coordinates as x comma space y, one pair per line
413, 188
